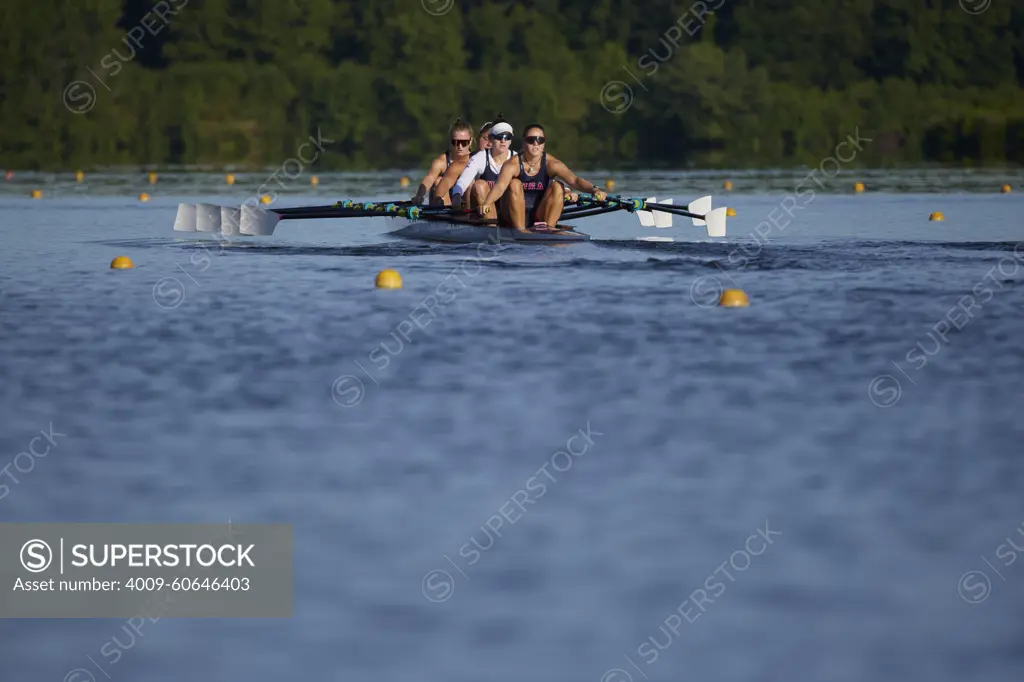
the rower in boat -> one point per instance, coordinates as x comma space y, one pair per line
447, 166
534, 197
483, 136
480, 174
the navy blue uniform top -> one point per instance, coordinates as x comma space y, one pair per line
534, 185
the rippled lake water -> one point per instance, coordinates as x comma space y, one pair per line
822, 486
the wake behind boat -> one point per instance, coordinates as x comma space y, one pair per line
445, 224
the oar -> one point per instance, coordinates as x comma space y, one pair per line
343, 204
252, 220
713, 219
261, 222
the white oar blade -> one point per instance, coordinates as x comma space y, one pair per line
185, 221
230, 221
700, 206
258, 222
646, 217
661, 218
655, 239
716, 222
207, 218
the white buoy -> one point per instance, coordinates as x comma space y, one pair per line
207, 218
230, 221
185, 221
258, 222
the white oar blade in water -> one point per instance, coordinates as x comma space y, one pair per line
230, 221
646, 217
700, 206
661, 218
258, 222
207, 218
655, 239
716, 222
185, 221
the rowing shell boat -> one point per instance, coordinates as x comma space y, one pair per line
444, 224
467, 233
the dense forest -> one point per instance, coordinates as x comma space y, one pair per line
664, 83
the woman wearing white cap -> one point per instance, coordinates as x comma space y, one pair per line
483, 168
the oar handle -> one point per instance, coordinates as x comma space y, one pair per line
628, 204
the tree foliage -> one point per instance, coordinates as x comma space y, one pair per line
759, 82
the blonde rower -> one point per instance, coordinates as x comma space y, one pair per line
446, 168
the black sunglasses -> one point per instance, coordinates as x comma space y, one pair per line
460, 143
535, 139
502, 136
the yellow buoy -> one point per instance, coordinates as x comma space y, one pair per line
859, 187
79, 176
731, 212
37, 194
404, 182
936, 216
153, 178
1005, 189
610, 185
734, 298
727, 185
389, 279
122, 263
229, 178
143, 197
265, 199
314, 181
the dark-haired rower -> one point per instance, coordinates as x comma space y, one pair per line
534, 198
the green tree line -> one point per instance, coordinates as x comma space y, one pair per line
616, 83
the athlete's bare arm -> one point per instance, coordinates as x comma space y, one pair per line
436, 169
509, 170
448, 180
561, 171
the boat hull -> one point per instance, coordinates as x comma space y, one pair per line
461, 233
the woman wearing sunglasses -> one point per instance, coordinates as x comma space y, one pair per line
534, 198
483, 168
447, 166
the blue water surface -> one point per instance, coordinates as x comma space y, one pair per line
832, 470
